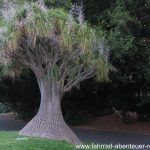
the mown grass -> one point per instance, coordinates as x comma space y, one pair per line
9, 141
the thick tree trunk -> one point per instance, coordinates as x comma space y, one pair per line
49, 122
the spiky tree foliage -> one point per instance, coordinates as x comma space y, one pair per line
61, 52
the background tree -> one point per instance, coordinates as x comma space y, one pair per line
61, 52
126, 24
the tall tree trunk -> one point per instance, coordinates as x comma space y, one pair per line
49, 122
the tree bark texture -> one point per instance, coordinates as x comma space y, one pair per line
49, 122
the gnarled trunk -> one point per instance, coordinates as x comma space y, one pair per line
49, 122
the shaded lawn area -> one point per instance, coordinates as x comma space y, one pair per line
12, 141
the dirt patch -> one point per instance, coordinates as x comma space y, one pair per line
112, 123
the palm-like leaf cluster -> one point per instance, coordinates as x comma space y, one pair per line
52, 44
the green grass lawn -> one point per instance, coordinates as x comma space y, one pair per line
12, 141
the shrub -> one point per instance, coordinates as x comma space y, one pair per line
4, 108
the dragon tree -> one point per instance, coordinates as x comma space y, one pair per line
61, 51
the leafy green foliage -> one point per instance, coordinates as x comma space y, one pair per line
58, 3
126, 26
4, 108
129, 54
36, 36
